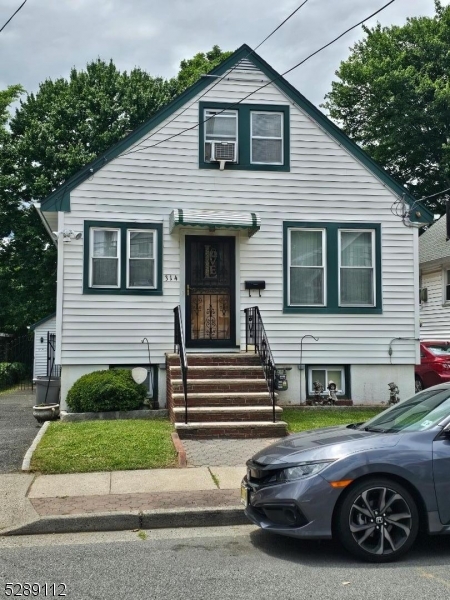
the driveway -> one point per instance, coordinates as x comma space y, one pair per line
18, 428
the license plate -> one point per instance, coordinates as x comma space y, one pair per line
244, 495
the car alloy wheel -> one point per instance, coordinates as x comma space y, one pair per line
378, 520
419, 385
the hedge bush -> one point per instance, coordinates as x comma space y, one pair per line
11, 373
106, 390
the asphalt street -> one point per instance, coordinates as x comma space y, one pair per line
220, 563
18, 428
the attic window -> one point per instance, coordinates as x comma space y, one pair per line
252, 137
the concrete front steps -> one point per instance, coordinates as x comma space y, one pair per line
228, 397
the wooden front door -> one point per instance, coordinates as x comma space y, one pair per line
210, 291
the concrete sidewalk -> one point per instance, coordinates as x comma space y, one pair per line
145, 499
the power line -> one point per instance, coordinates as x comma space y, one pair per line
13, 15
434, 195
227, 74
261, 87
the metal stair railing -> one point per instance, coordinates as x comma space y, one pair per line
255, 335
180, 348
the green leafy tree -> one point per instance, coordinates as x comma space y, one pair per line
193, 68
393, 98
53, 134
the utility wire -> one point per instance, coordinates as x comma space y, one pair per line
13, 15
434, 195
266, 84
227, 74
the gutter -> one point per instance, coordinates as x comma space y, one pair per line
37, 206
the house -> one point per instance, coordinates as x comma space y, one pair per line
239, 193
44, 363
434, 282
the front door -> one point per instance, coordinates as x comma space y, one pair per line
210, 292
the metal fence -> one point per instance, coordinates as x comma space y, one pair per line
16, 362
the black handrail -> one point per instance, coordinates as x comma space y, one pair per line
180, 348
255, 335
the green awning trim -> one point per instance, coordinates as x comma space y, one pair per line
214, 219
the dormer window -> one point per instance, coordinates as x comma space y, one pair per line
250, 137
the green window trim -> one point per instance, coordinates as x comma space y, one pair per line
332, 268
123, 229
244, 136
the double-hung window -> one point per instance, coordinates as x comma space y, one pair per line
141, 258
122, 258
104, 258
221, 135
447, 285
307, 269
332, 267
356, 267
244, 136
267, 138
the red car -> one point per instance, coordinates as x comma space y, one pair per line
434, 365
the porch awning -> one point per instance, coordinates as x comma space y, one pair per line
215, 219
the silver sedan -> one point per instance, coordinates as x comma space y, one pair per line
372, 485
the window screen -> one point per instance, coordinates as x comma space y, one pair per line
267, 138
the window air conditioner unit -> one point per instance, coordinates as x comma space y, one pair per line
221, 152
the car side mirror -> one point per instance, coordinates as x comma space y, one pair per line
446, 430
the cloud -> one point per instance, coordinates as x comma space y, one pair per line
46, 39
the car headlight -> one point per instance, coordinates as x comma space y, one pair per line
302, 471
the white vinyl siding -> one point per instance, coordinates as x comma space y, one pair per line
266, 138
435, 312
356, 267
40, 348
325, 183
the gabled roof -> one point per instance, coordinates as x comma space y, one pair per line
433, 244
42, 321
60, 198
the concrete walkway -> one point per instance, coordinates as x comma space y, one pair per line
230, 453
121, 500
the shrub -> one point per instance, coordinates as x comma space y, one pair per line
106, 390
11, 373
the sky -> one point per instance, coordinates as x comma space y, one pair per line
49, 37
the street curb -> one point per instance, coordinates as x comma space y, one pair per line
29, 453
153, 519
180, 450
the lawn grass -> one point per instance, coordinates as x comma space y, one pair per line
302, 419
105, 446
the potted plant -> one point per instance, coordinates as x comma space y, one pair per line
47, 399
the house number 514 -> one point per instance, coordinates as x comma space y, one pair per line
170, 278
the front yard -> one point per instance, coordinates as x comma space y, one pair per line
302, 419
105, 446
134, 444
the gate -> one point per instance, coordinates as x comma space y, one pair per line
16, 362
53, 370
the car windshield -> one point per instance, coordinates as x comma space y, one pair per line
421, 412
439, 349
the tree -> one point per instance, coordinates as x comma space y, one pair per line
393, 99
53, 134
193, 68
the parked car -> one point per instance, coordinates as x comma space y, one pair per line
369, 484
434, 365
